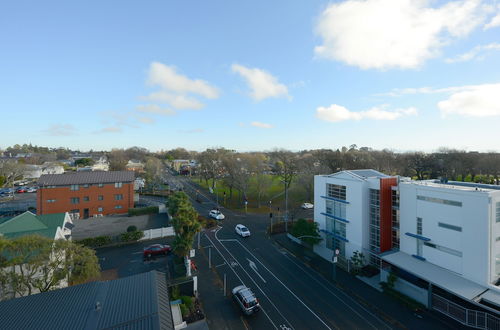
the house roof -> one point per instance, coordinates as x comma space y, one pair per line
85, 178
135, 302
28, 224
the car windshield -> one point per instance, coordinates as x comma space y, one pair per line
244, 229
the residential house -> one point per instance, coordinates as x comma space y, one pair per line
135, 165
135, 302
86, 194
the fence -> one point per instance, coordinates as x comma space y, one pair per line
469, 317
158, 232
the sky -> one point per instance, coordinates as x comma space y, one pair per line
255, 75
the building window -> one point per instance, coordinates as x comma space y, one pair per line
86, 198
99, 209
498, 212
118, 184
74, 187
118, 207
395, 238
101, 185
118, 197
419, 248
51, 200
375, 220
85, 186
337, 209
444, 249
100, 197
340, 229
419, 226
439, 201
395, 199
336, 191
497, 239
75, 200
448, 226
75, 211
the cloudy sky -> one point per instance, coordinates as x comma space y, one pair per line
251, 75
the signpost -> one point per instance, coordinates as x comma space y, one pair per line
334, 259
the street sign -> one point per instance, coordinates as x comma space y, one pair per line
334, 260
191, 253
337, 252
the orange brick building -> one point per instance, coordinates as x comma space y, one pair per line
86, 193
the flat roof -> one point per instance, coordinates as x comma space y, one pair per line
491, 296
85, 178
436, 275
463, 186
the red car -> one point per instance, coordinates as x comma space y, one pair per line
156, 249
21, 190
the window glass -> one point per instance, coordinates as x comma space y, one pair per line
74, 187
336, 191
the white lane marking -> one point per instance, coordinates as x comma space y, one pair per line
254, 268
251, 279
303, 303
274, 325
355, 302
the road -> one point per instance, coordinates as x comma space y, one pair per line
291, 295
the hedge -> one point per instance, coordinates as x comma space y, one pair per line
96, 241
143, 210
131, 236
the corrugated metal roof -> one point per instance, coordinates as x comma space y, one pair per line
28, 223
134, 302
85, 178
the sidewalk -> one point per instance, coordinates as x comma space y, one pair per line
399, 316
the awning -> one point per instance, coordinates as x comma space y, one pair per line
443, 278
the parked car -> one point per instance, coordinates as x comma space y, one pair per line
242, 230
156, 249
246, 299
32, 189
307, 206
216, 214
21, 190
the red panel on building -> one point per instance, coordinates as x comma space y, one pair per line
386, 185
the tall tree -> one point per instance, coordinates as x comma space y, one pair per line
185, 223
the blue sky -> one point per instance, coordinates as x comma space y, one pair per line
256, 75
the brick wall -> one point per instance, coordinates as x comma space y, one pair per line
58, 199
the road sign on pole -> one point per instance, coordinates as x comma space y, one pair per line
337, 252
335, 260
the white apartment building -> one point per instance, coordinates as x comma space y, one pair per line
353, 212
441, 239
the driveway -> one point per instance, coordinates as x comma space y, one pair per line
115, 225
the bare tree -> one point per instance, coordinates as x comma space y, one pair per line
11, 171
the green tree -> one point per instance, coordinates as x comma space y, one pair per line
185, 223
38, 263
306, 231
84, 162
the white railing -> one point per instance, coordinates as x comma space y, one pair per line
158, 232
469, 317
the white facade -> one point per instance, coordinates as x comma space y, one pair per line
354, 213
459, 230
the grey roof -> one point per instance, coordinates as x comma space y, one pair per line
85, 178
135, 302
369, 173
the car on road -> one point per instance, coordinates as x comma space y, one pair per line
21, 190
31, 189
216, 214
156, 249
246, 299
242, 230
307, 206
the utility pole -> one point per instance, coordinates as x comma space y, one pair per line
286, 207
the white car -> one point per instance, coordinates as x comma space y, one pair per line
216, 214
242, 231
307, 206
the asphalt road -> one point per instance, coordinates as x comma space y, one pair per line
291, 295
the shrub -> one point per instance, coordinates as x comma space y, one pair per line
131, 236
188, 302
94, 242
184, 310
142, 210
131, 228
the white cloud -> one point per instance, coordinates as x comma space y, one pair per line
495, 22
425, 90
60, 130
166, 77
177, 101
478, 52
156, 109
262, 84
146, 120
385, 34
476, 101
336, 113
261, 125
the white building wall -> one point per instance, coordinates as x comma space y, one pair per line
474, 217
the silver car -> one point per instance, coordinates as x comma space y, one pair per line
246, 299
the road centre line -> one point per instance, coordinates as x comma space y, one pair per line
251, 278
274, 325
340, 291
